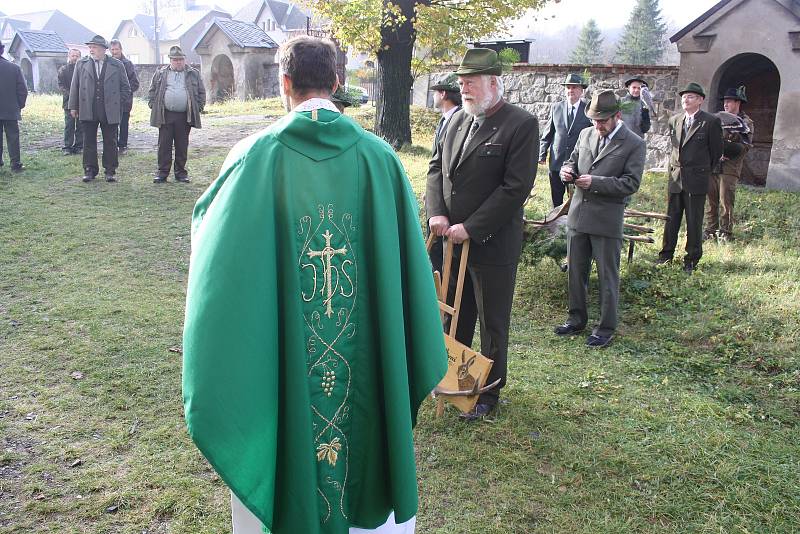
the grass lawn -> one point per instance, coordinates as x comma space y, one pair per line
689, 422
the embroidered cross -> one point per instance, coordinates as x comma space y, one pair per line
326, 254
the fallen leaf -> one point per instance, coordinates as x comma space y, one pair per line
176, 348
76, 463
112, 509
76, 375
39, 497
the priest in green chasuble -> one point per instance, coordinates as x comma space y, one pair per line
312, 330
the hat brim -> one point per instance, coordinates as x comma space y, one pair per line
447, 88
464, 70
681, 93
182, 56
98, 44
600, 115
729, 97
584, 85
631, 80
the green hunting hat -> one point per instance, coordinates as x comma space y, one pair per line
480, 61
735, 93
635, 79
98, 40
342, 97
693, 87
575, 79
604, 104
446, 83
176, 52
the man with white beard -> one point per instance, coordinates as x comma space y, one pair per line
479, 177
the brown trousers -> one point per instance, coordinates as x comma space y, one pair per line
721, 195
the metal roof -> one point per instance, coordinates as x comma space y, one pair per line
243, 34
70, 30
40, 41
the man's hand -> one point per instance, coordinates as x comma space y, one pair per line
567, 174
542, 161
457, 233
73, 113
439, 225
584, 181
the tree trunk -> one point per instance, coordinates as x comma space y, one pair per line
393, 91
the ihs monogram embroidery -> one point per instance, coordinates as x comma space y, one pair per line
329, 274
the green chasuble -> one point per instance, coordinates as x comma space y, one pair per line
312, 329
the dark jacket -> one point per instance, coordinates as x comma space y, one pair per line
558, 137
64, 82
616, 174
133, 81
116, 89
733, 167
13, 91
486, 187
695, 154
195, 88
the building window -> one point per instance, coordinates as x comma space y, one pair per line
132, 32
264, 25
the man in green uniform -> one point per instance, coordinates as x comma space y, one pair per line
312, 328
722, 184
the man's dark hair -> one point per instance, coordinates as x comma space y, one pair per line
310, 62
453, 96
113, 42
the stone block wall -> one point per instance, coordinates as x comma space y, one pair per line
536, 87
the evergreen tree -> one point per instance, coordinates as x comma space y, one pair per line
590, 45
644, 39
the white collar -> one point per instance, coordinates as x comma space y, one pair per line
449, 113
315, 103
610, 136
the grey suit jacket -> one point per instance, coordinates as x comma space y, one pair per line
559, 138
485, 188
116, 89
616, 174
695, 154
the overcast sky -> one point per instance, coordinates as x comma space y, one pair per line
104, 15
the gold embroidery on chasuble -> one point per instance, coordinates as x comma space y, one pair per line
328, 280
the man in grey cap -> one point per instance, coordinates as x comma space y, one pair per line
176, 99
606, 167
98, 90
567, 119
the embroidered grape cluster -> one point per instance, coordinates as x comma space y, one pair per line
328, 382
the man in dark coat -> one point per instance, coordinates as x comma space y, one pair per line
696, 138
133, 80
480, 176
606, 168
99, 88
73, 134
13, 94
567, 119
176, 99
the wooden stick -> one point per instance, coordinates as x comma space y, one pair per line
638, 228
462, 270
635, 213
639, 238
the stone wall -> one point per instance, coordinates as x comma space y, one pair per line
536, 87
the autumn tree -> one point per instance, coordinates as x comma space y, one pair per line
590, 45
392, 29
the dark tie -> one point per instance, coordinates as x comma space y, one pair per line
439, 128
472, 130
570, 116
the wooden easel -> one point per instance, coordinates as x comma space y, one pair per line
459, 385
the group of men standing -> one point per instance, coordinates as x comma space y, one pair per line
98, 93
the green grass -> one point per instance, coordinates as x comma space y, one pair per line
687, 423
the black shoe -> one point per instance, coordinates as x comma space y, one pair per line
598, 342
122, 150
480, 411
661, 260
568, 329
159, 179
708, 236
88, 177
66, 152
184, 179
110, 178
689, 268
18, 168
77, 150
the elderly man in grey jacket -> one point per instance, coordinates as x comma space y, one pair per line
176, 99
99, 88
